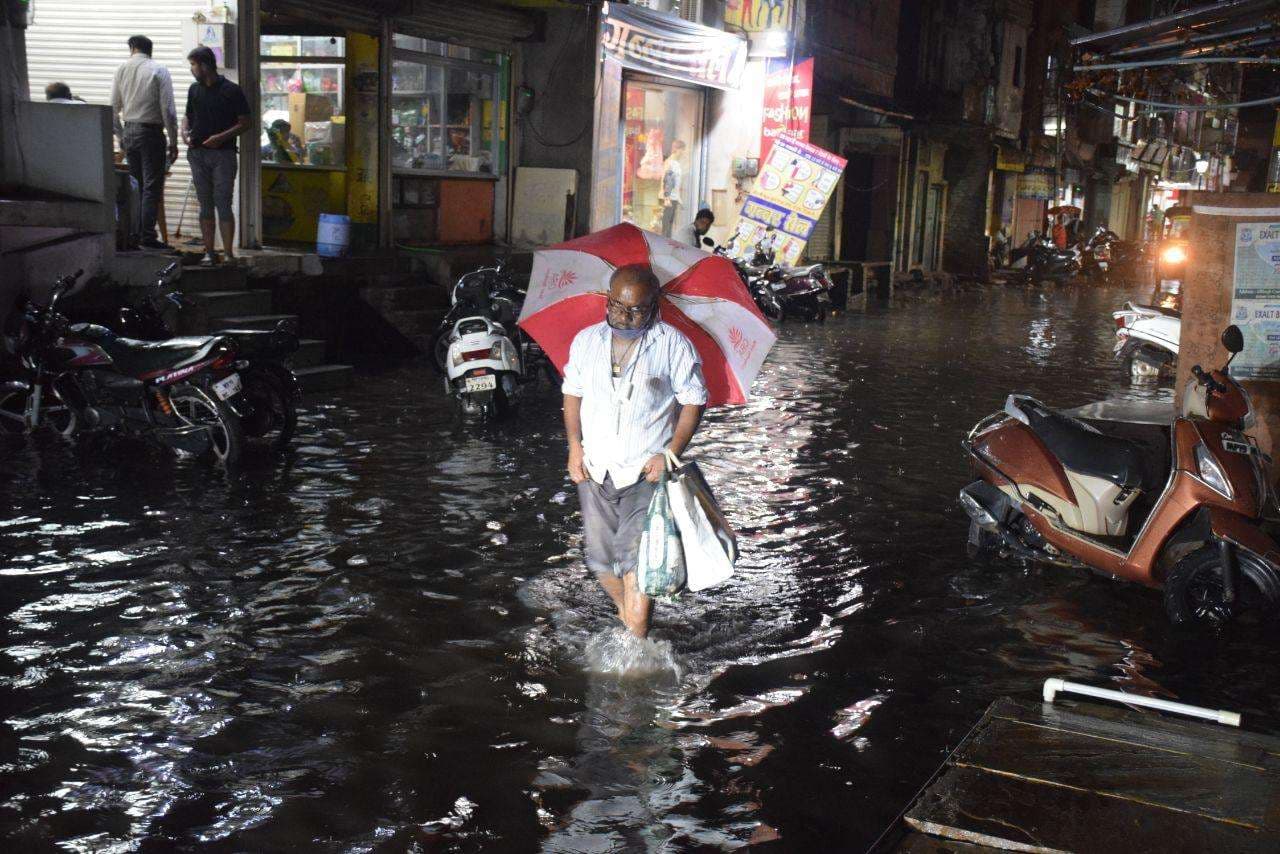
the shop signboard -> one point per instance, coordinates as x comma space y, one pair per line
1036, 183
793, 187
648, 41
1255, 300
757, 16
788, 103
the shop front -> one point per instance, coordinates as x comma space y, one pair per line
664, 85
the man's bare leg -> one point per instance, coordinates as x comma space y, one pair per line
207, 229
612, 585
636, 607
228, 227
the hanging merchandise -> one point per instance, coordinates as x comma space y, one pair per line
651, 164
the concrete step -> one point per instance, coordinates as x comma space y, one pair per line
252, 321
311, 352
324, 377
224, 278
223, 303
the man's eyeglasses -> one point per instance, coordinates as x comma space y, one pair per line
639, 312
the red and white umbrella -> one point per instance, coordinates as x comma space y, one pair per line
702, 296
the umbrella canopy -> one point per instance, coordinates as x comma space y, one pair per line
702, 296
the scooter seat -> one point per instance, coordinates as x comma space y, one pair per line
1078, 446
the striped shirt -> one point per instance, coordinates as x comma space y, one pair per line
142, 92
626, 423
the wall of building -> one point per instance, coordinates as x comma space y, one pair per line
733, 126
854, 43
557, 132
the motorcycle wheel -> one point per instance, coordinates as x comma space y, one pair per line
275, 415
59, 418
1193, 591
226, 435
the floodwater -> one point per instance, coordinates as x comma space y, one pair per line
388, 641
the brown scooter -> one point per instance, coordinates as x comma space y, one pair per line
1053, 488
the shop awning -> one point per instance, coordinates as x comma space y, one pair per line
474, 24
1212, 27
649, 41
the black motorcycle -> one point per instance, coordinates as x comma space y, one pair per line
271, 390
185, 393
1046, 261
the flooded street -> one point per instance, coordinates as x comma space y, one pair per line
383, 643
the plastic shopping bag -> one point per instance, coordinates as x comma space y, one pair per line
710, 547
660, 570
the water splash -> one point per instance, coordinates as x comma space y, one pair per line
618, 652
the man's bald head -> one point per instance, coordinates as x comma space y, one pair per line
633, 294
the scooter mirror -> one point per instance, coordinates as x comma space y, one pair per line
707, 241
1233, 339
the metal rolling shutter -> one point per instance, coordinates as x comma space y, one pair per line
472, 24
363, 17
821, 241
80, 42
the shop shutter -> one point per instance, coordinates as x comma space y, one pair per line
821, 241
469, 24
80, 42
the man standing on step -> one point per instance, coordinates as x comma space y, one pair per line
633, 388
217, 113
143, 111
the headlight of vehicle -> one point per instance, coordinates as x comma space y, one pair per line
1212, 473
1173, 255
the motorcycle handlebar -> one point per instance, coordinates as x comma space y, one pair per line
1209, 382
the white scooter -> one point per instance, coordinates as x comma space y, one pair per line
1147, 340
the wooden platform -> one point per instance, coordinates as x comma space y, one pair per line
1089, 777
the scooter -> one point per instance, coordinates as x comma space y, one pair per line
1054, 489
1047, 261
185, 393
1147, 340
484, 355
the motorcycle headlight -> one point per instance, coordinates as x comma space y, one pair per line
1173, 255
1212, 473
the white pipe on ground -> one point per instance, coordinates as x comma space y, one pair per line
1052, 687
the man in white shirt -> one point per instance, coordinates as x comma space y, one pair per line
672, 181
143, 107
633, 388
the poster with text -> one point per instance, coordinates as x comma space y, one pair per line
788, 102
791, 190
1255, 300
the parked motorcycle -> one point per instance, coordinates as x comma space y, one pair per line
271, 389
764, 292
185, 393
1095, 255
1147, 340
1054, 489
479, 347
1046, 261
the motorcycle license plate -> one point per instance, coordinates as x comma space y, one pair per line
228, 386
486, 383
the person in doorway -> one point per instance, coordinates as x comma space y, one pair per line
284, 145
633, 389
217, 113
142, 104
672, 179
694, 231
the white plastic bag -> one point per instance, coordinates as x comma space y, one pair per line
660, 569
710, 548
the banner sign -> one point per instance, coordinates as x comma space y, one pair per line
661, 44
1255, 300
756, 16
792, 189
788, 103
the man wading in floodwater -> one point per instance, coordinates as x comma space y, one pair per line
632, 389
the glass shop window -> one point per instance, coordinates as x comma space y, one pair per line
303, 83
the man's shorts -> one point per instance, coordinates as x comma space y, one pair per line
612, 521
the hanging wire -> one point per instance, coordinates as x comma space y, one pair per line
1190, 60
1191, 108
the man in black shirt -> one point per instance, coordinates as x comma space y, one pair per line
217, 113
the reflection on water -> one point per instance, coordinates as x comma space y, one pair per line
389, 641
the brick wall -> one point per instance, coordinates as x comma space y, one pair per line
967, 167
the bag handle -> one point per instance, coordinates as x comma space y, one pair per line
673, 462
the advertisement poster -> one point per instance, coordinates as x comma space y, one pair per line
788, 103
1255, 300
791, 190
756, 16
